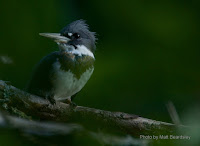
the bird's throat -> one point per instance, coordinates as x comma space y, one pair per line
79, 50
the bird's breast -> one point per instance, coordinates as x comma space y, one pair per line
71, 73
75, 63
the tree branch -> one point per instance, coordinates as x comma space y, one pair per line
25, 105
46, 132
38, 128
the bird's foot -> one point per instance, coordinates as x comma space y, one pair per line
51, 99
72, 104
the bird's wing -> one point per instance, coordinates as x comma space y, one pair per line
40, 83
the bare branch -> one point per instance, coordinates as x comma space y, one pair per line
38, 128
14, 99
42, 130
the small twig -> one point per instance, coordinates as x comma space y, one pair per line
173, 113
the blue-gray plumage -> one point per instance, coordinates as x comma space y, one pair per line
62, 74
79, 27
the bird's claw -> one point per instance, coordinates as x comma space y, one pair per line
52, 101
72, 104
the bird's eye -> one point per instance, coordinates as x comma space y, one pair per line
76, 35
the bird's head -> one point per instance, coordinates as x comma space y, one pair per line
75, 38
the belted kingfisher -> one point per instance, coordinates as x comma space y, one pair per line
62, 74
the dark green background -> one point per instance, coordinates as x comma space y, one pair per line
148, 52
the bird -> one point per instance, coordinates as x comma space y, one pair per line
60, 75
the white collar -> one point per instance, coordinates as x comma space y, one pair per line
80, 50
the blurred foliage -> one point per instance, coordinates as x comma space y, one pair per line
147, 53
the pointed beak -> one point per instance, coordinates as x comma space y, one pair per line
56, 37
